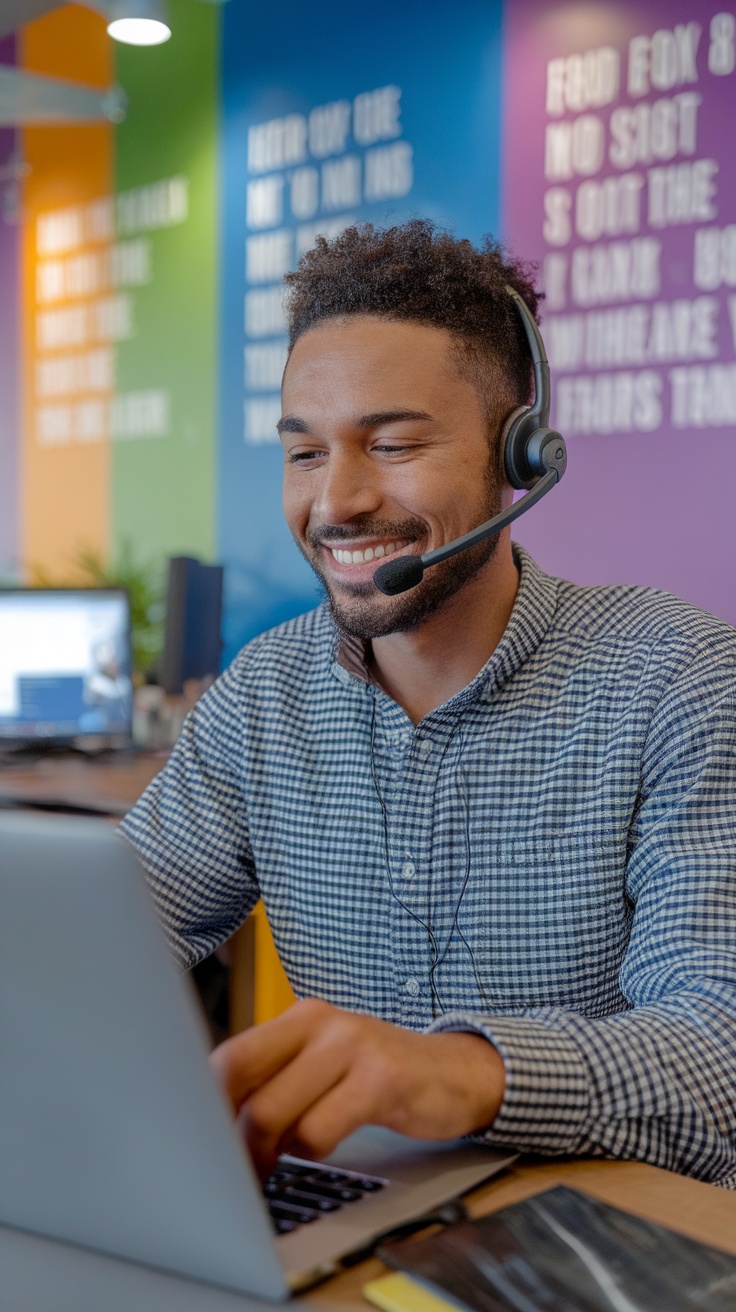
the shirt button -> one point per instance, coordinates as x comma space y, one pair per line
408, 870
412, 986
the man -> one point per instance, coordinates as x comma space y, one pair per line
491, 818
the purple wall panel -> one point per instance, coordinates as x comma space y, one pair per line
641, 337
9, 353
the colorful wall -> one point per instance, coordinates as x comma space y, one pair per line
164, 440
325, 121
140, 300
619, 180
9, 352
67, 352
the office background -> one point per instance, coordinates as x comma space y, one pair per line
141, 332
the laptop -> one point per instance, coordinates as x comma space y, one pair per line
113, 1133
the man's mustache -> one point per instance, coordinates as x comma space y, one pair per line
411, 530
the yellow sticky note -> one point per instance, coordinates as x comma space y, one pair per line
399, 1293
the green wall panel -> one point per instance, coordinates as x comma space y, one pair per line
164, 268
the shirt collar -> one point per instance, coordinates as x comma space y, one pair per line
530, 619
529, 623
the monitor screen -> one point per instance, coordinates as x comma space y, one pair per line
64, 664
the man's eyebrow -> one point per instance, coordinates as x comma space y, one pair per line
391, 417
293, 424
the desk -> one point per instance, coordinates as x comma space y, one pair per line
699, 1210
45, 1276
109, 786
258, 987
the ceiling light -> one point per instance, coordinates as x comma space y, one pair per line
138, 22
139, 31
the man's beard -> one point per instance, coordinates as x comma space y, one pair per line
360, 610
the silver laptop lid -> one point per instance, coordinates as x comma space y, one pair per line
86, 1044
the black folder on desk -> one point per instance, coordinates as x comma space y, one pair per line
563, 1251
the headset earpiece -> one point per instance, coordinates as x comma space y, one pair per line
513, 441
530, 451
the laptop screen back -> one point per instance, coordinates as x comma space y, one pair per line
112, 1132
64, 664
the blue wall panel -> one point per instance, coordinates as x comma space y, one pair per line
330, 114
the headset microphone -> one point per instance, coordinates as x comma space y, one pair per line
535, 457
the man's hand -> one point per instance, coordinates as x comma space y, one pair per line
304, 1081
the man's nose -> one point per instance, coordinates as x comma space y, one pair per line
349, 487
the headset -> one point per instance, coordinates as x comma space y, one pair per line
535, 457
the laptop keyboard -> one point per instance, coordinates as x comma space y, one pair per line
299, 1192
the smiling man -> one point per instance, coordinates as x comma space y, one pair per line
491, 818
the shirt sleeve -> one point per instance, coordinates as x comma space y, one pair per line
190, 828
657, 1082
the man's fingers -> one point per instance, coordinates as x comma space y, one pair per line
271, 1113
343, 1109
243, 1063
273, 1074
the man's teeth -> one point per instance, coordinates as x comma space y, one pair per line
370, 553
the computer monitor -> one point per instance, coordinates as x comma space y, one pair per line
65, 666
192, 642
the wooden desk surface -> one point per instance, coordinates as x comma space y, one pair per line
699, 1210
109, 785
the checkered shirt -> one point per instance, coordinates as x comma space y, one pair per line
548, 859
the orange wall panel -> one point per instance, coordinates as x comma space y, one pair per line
68, 373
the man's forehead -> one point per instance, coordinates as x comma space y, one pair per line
414, 362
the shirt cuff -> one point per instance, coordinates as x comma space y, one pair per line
546, 1104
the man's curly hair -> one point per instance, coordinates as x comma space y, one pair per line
419, 272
